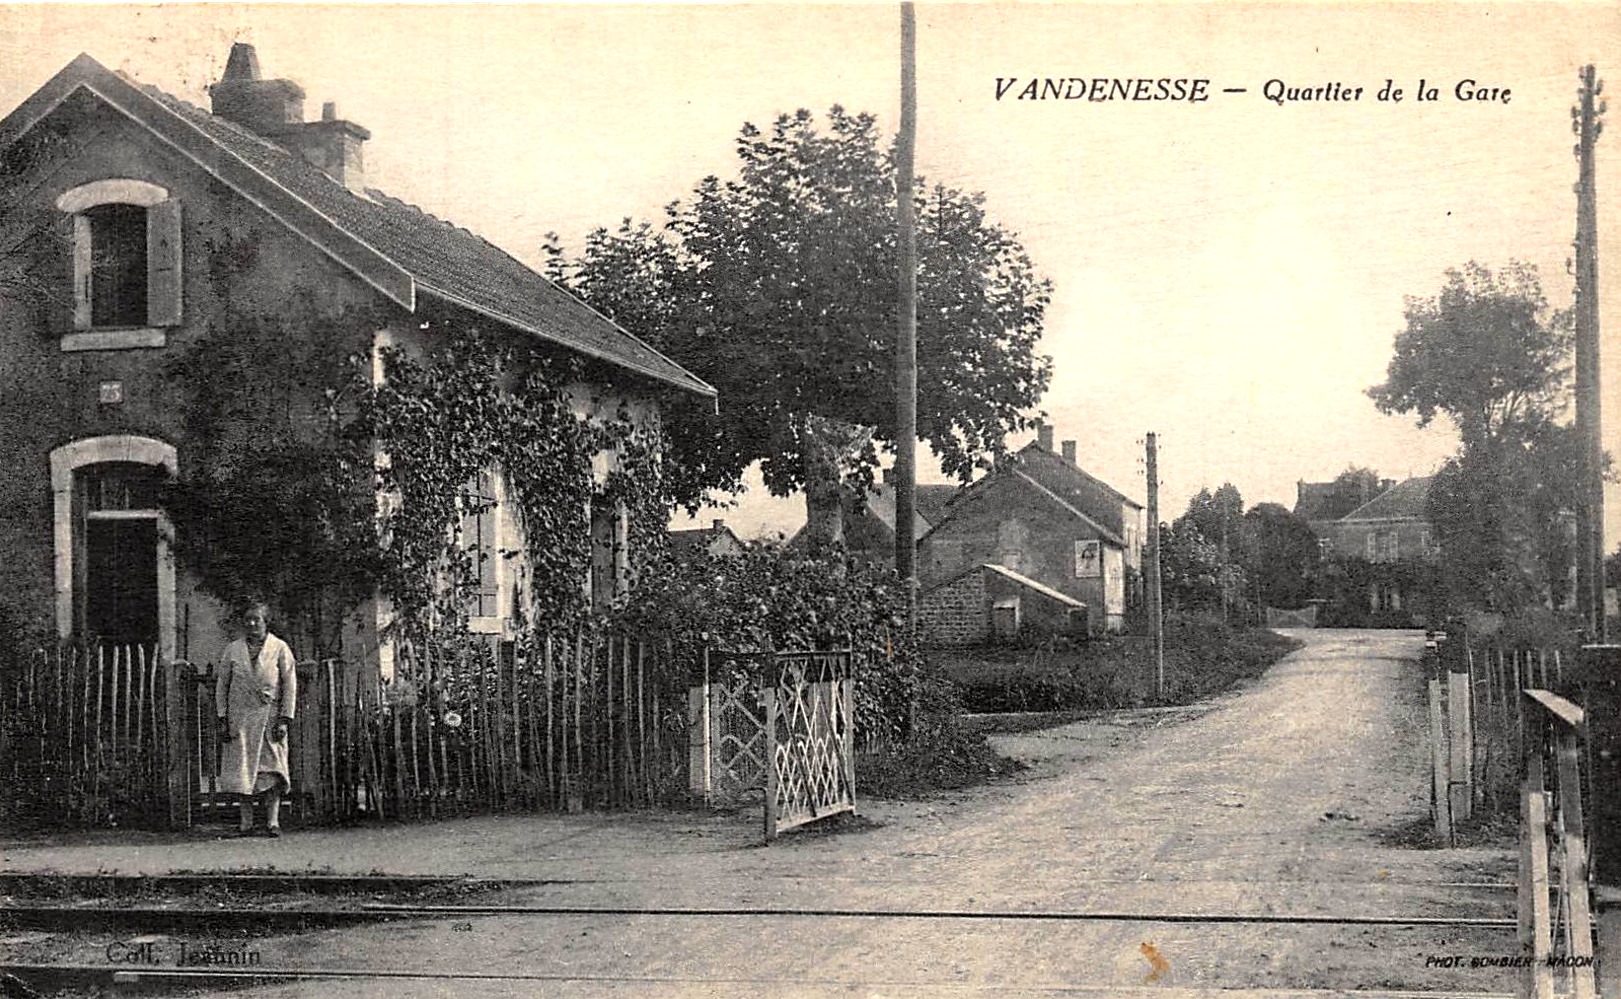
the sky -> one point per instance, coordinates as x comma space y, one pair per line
1229, 274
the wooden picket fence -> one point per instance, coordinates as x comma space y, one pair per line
550, 721
82, 736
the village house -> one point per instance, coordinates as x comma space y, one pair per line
130, 217
1390, 534
869, 519
1056, 537
716, 541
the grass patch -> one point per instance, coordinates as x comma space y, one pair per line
1203, 658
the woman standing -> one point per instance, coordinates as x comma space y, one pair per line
255, 694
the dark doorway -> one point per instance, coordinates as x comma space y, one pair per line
121, 580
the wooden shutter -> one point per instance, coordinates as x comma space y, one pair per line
82, 266
163, 274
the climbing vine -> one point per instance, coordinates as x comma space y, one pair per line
313, 485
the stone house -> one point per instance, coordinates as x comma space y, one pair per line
1391, 534
1041, 516
124, 208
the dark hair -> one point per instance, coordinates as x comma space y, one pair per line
250, 602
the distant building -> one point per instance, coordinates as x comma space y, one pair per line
1040, 516
716, 541
1333, 500
869, 521
1391, 534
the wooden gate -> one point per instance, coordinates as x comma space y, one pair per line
810, 740
781, 724
1556, 939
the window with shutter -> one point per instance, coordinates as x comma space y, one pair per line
480, 540
125, 248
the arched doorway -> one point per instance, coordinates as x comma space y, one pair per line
114, 567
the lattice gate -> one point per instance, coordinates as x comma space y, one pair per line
810, 740
776, 724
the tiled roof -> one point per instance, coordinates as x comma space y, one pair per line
932, 500
446, 260
1019, 578
1407, 500
436, 257
1052, 471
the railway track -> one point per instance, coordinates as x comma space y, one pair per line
242, 907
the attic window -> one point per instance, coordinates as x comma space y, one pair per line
117, 265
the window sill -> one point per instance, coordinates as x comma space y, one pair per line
119, 339
486, 625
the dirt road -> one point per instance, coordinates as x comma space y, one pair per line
1277, 801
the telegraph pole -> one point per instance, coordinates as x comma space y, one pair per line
906, 340
1589, 424
1156, 610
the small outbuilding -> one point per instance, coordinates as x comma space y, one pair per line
993, 603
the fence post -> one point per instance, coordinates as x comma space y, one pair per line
771, 776
177, 763
1461, 739
698, 719
1597, 675
1534, 916
1441, 777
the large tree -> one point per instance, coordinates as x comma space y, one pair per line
779, 287
1489, 353
1281, 556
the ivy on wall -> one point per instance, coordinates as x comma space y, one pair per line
307, 484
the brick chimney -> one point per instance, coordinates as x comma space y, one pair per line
275, 110
1044, 435
1069, 452
719, 524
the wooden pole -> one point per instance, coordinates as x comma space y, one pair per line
698, 721
1534, 918
906, 335
1156, 607
1589, 420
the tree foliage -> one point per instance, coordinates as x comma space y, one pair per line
1281, 556
1487, 351
780, 288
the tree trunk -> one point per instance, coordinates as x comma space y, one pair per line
828, 449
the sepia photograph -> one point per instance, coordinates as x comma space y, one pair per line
882, 500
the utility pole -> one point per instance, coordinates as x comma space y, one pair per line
1589, 424
906, 340
1156, 609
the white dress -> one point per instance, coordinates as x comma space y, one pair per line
251, 695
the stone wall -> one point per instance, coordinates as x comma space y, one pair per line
955, 614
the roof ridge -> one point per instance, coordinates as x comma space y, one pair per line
1055, 459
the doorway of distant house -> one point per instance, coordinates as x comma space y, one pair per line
118, 539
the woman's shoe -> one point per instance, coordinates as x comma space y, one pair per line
273, 832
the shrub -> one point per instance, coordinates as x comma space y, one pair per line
776, 598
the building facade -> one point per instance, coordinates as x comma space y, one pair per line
1041, 516
139, 228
